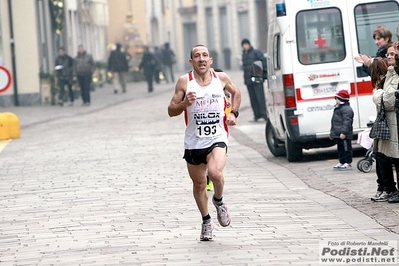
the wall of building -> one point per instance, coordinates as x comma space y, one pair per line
26, 76
231, 20
118, 24
128, 26
5, 53
36, 43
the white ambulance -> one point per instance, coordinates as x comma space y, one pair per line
310, 56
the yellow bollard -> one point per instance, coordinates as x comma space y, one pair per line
3, 126
9, 126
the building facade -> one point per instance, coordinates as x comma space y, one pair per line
128, 26
218, 24
31, 32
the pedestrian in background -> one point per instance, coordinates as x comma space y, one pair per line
200, 94
118, 65
342, 130
83, 69
159, 65
168, 57
255, 90
64, 69
147, 65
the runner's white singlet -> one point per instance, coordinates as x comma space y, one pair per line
205, 118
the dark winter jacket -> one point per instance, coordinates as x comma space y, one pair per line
168, 57
148, 63
67, 64
381, 52
83, 64
248, 58
342, 121
117, 61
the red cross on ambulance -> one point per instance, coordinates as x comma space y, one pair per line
320, 41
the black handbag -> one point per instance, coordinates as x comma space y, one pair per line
380, 128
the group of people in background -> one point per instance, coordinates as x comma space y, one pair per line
153, 64
79, 69
384, 72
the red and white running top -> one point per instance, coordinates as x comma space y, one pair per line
205, 118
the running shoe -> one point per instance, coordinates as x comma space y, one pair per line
223, 214
206, 231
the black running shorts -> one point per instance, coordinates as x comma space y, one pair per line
198, 156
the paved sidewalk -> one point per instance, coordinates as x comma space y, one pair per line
106, 185
101, 98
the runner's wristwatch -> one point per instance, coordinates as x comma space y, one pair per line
235, 113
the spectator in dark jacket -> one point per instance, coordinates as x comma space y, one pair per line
342, 130
118, 65
255, 90
148, 63
63, 67
382, 38
83, 69
168, 57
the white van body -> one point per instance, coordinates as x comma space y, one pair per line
310, 56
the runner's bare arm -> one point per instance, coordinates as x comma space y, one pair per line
235, 97
180, 100
232, 89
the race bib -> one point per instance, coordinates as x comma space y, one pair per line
208, 129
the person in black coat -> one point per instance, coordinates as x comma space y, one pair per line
382, 38
255, 90
342, 130
118, 65
168, 60
63, 67
148, 64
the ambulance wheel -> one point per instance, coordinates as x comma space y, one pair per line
275, 146
365, 166
293, 150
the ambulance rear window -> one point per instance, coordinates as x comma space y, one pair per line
372, 16
320, 36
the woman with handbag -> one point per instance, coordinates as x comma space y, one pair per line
387, 151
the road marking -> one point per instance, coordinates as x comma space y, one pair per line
3, 143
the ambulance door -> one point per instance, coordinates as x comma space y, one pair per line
364, 17
274, 90
322, 62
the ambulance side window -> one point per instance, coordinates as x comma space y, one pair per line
371, 16
320, 36
276, 52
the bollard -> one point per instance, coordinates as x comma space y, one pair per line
9, 126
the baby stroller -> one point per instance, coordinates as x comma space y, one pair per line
366, 164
